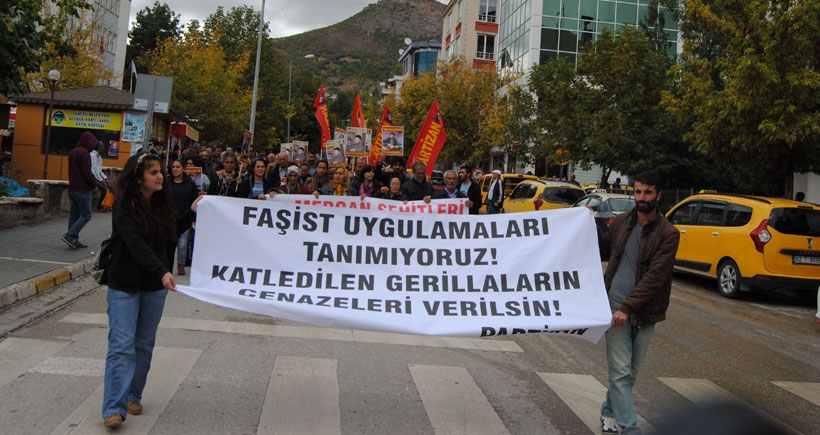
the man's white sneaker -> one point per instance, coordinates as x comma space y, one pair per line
608, 425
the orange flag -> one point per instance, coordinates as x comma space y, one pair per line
357, 117
430, 140
320, 104
376, 144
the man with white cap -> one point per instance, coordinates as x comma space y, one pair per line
495, 196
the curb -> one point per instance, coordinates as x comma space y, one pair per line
43, 283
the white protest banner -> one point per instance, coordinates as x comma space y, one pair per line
355, 264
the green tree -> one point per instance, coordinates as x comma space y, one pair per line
29, 27
237, 31
473, 111
206, 85
558, 112
626, 76
83, 68
152, 26
758, 105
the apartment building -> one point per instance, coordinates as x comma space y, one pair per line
534, 31
470, 30
108, 21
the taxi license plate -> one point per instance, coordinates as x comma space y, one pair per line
800, 259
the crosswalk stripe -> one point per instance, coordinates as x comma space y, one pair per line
704, 392
454, 403
807, 390
302, 398
584, 395
18, 355
169, 367
701, 392
313, 333
71, 366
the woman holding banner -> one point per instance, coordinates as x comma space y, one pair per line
321, 177
394, 190
365, 184
143, 225
256, 185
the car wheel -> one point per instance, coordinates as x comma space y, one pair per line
729, 279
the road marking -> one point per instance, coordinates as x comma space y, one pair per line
302, 398
18, 355
454, 403
313, 333
31, 260
704, 392
584, 395
807, 390
61, 365
701, 392
169, 367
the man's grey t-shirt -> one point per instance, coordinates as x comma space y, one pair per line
624, 280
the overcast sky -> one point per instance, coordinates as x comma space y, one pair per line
286, 17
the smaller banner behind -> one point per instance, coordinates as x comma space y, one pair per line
411, 268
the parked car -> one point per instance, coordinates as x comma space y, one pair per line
605, 206
509, 182
749, 241
531, 195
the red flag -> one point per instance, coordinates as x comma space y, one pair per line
376, 144
320, 104
430, 140
357, 117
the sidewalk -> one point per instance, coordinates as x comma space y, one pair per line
33, 259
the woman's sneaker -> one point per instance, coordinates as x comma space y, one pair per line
68, 240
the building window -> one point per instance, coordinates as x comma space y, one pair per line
486, 11
425, 61
485, 48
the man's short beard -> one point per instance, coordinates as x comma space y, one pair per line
647, 206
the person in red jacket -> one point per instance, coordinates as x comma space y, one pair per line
81, 184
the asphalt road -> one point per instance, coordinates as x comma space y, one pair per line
219, 371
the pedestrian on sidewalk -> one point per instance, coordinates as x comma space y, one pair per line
81, 184
143, 227
99, 175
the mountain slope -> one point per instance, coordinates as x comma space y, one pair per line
362, 50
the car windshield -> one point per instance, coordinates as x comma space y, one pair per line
621, 204
796, 221
562, 194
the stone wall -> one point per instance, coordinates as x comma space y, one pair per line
48, 199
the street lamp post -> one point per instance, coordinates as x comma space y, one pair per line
53, 78
256, 71
290, 75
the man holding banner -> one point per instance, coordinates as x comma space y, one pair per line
641, 247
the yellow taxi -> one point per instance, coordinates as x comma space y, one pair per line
531, 195
749, 241
509, 182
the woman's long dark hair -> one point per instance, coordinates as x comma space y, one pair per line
366, 169
155, 218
